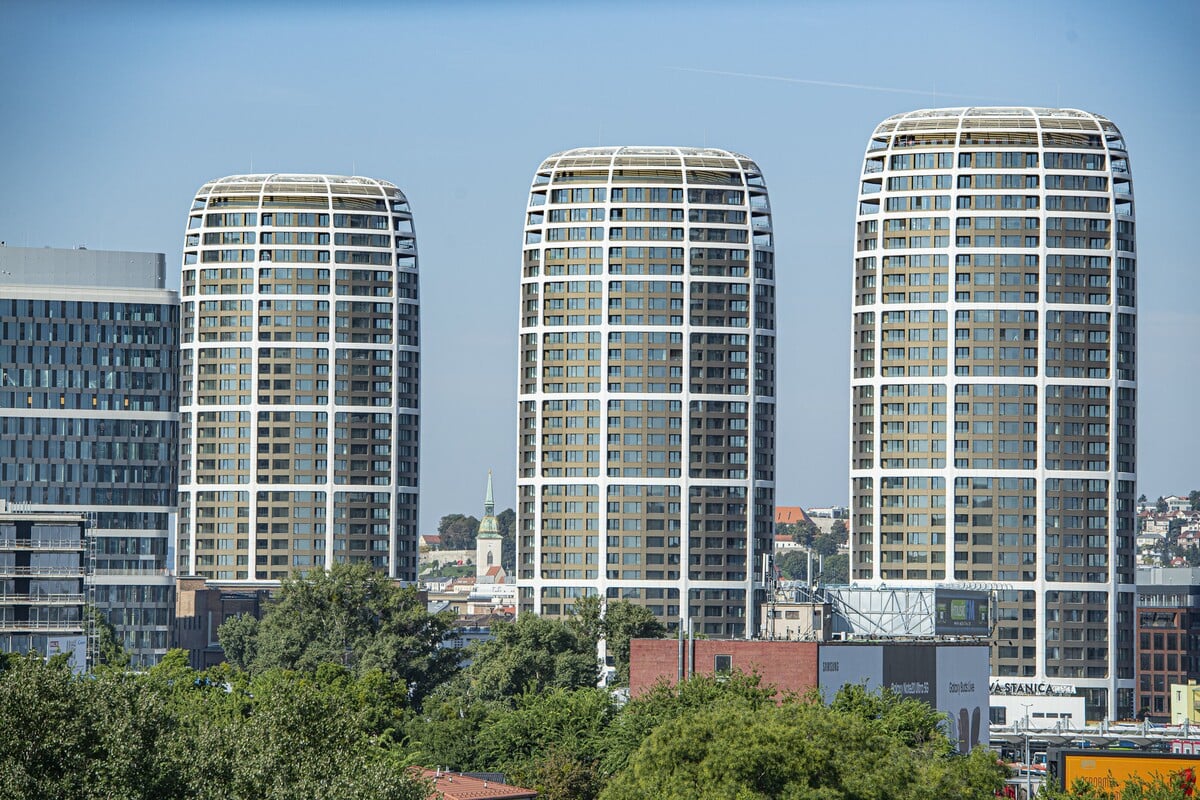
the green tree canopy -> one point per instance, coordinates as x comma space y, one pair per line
353, 616
836, 569
175, 734
552, 742
458, 532
798, 749
793, 564
532, 654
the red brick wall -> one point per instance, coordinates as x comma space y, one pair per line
789, 666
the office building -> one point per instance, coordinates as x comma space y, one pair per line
42, 595
993, 381
1168, 636
300, 374
646, 460
89, 417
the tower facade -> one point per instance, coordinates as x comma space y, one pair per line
993, 381
89, 423
489, 542
646, 452
300, 378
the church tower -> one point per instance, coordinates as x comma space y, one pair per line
488, 542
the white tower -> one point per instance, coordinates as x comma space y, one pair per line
993, 381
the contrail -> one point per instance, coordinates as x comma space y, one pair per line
833, 84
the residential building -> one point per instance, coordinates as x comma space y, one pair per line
1168, 636
42, 599
89, 417
646, 452
993, 381
300, 375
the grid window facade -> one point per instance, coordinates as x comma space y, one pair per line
300, 339
647, 385
993, 380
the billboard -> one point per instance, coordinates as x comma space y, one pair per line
74, 646
838, 665
1110, 770
961, 613
962, 694
952, 678
910, 671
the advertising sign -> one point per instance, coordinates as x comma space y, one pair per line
840, 664
74, 646
962, 693
960, 613
911, 671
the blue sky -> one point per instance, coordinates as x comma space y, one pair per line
112, 114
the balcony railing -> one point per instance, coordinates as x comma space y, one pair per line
70, 599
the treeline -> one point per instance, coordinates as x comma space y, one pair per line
341, 690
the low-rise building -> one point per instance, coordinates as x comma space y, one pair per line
43, 563
1168, 636
200, 609
950, 676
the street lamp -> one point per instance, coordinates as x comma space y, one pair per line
1028, 762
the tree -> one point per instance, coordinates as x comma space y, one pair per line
837, 569
111, 651
802, 532
1194, 499
532, 654
239, 639
915, 722
826, 544
458, 532
798, 749
1181, 784
507, 520
839, 531
552, 742
616, 622
67, 736
793, 565
646, 713
1160, 505
624, 621
353, 616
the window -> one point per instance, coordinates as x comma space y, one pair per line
723, 664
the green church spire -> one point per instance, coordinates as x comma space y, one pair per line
489, 527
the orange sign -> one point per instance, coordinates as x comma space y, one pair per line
1111, 770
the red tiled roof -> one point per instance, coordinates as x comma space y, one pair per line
454, 786
493, 571
790, 515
